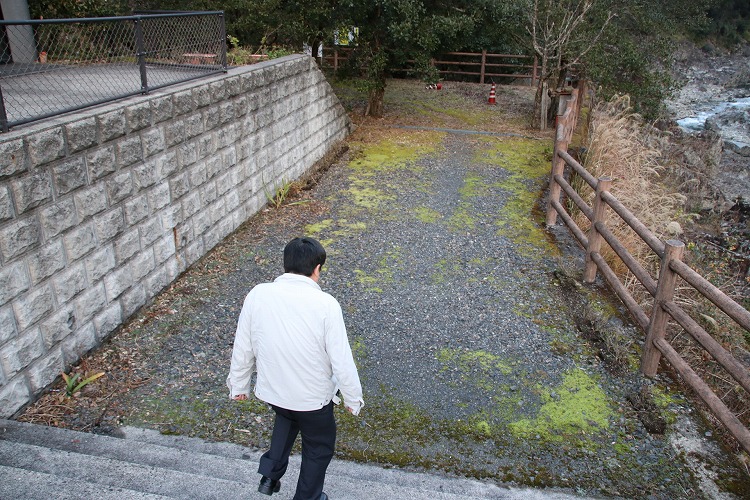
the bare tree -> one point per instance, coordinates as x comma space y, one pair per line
555, 29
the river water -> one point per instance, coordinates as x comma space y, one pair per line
729, 117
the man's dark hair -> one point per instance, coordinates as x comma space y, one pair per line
302, 255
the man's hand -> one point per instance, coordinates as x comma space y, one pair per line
240, 397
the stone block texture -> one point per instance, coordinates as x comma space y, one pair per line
101, 210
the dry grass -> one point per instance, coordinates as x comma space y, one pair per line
622, 148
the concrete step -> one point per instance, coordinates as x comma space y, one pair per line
47, 462
22, 484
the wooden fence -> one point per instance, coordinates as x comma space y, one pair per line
663, 289
482, 66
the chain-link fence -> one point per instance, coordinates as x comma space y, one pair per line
49, 67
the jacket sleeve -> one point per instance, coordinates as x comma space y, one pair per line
243, 359
342, 361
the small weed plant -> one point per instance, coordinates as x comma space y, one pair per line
74, 383
280, 195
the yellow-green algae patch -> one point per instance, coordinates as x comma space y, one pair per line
471, 117
468, 360
318, 227
396, 151
474, 185
340, 228
348, 228
462, 218
383, 274
576, 408
371, 282
442, 268
528, 163
427, 215
364, 195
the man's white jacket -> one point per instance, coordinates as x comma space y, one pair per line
293, 334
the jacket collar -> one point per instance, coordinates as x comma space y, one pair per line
292, 278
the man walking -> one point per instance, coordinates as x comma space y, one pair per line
292, 334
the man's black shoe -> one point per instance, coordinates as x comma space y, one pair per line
269, 486
323, 496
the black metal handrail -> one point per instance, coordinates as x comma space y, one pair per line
54, 66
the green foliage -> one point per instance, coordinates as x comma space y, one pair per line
276, 52
64, 9
729, 22
73, 385
392, 32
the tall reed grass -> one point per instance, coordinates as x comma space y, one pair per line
622, 147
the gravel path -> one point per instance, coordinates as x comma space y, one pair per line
471, 358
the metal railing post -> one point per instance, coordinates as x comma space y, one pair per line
3, 115
595, 238
673, 250
140, 53
223, 41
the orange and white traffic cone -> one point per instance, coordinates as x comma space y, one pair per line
492, 95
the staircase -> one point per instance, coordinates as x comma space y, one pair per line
38, 462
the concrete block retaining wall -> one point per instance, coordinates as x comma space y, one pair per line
101, 210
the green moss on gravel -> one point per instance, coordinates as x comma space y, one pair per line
463, 218
393, 154
318, 227
577, 408
528, 162
383, 273
427, 215
468, 360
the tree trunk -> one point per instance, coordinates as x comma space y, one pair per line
375, 102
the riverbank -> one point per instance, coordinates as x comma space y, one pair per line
714, 100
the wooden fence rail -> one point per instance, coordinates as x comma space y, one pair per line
663, 289
483, 65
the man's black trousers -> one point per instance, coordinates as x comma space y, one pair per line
318, 429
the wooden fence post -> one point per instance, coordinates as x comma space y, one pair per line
534, 73
558, 166
484, 60
595, 238
673, 250
581, 89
